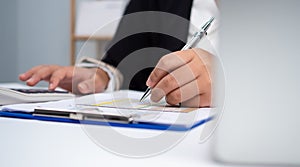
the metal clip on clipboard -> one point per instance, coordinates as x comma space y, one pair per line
82, 116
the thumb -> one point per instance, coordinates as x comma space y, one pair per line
87, 86
92, 85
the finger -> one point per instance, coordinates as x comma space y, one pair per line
167, 64
86, 87
203, 100
43, 73
176, 79
184, 93
25, 76
188, 91
56, 78
93, 85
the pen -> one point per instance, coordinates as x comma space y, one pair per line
194, 40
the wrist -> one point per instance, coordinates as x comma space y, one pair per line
104, 77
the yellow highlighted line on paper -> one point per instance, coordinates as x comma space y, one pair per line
109, 102
141, 106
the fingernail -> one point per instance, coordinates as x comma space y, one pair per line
51, 86
83, 88
30, 80
21, 76
149, 82
156, 95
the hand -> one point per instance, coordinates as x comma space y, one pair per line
183, 77
74, 79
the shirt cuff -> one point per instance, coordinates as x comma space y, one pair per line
115, 76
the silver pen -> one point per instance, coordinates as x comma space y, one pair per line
190, 44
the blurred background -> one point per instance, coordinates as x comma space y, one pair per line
259, 50
35, 32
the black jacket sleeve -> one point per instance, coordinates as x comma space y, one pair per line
147, 24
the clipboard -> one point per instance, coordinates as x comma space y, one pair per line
106, 112
104, 120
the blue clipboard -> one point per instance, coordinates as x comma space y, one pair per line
30, 116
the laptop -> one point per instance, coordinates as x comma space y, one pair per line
260, 51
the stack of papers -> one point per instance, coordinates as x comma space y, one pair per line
124, 103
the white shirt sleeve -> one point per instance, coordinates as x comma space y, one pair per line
202, 11
115, 76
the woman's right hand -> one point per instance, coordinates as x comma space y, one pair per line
74, 79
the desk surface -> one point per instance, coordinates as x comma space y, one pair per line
37, 143
31, 143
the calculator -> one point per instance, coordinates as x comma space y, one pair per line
27, 95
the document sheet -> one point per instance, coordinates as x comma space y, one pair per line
122, 102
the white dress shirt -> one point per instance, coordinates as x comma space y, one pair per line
202, 11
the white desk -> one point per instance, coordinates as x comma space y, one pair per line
36, 143
31, 143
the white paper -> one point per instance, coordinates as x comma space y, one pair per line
110, 104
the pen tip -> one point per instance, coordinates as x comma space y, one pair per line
146, 94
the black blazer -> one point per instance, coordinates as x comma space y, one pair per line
148, 30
